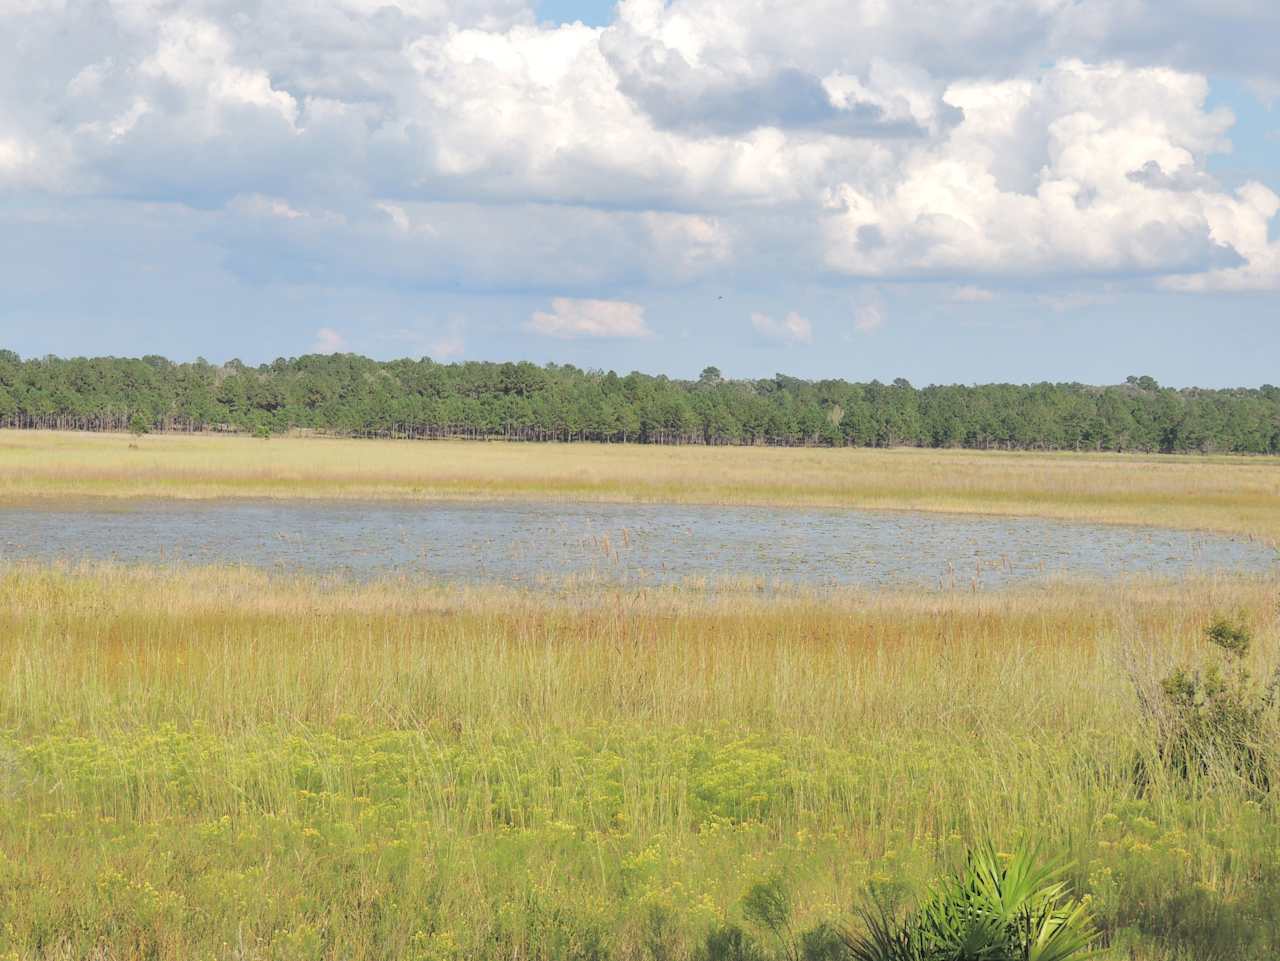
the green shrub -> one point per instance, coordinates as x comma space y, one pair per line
660, 932
769, 905
1211, 721
822, 943
728, 942
999, 908
139, 425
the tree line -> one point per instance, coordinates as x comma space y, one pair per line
352, 395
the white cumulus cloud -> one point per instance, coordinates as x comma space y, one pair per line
434, 143
449, 345
970, 294
868, 317
328, 341
792, 329
570, 319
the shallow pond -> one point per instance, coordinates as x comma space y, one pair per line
525, 542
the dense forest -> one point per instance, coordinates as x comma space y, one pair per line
348, 394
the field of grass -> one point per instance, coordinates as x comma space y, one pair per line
211, 764
1237, 495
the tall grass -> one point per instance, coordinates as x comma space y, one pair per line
1240, 495
217, 764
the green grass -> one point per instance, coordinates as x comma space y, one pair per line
215, 764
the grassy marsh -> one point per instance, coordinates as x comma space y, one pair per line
209, 763
1230, 494
217, 763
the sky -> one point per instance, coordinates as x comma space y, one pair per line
1000, 190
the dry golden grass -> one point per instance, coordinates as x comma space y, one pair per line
214, 763
232, 646
1237, 495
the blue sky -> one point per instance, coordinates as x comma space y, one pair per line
595, 13
823, 188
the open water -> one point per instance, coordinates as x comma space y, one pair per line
526, 543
